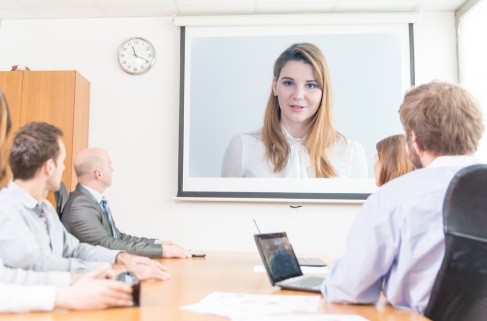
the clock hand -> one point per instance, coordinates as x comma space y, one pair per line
134, 52
143, 58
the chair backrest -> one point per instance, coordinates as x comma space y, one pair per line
460, 289
61, 198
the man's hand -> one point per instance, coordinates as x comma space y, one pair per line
144, 268
93, 291
145, 272
174, 251
130, 259
170, 249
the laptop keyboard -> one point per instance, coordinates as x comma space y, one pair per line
309, 282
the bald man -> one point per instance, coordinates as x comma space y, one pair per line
87, 214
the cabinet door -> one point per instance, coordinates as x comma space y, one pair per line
81, 121
49, 96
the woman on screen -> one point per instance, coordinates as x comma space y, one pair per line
392, 159
298, 139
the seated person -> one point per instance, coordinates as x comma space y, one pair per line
392, 159
23, 290
31, 235
396, 243
88, 217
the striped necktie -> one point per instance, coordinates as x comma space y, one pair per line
39, 210
104, 205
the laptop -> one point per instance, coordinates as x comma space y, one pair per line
282, 265
309, 261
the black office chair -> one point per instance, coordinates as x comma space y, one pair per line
460, 289
61, 198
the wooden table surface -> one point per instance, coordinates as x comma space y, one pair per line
193, 279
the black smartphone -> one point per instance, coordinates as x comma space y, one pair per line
130, 279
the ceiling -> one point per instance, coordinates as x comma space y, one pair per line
58, 9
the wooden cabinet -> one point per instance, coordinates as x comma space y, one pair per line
61, 98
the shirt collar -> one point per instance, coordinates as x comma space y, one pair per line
23, 196
94, 193
290, 137
453, 161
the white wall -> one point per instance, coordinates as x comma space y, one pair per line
136, 119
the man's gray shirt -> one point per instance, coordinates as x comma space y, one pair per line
32, 237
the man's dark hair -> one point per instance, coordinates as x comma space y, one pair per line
34, 144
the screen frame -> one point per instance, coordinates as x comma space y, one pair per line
184, 193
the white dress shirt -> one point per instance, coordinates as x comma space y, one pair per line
245, 157
19, 298
23, 290
35, 241
396, 243
28, 277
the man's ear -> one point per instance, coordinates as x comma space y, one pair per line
418, 150
97, 174
49, 167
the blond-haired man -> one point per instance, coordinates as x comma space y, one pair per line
396, 244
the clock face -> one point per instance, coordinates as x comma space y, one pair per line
136, 55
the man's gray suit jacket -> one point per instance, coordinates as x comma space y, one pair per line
85, 219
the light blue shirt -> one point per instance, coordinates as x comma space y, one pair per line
32, 240
396, 243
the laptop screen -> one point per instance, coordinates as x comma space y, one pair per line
278, 256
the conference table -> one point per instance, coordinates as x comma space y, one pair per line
195, 278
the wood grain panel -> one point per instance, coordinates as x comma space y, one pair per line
80, 121
49, 96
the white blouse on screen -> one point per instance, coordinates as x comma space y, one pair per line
245, 157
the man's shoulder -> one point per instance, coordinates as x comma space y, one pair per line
12, 211
78, 199
415, 186
80, 194
76, 194
8, 201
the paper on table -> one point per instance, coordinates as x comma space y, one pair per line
304, 269
305, 317
247, 305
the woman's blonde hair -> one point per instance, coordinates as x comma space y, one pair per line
393, 158
321, 133
5, 137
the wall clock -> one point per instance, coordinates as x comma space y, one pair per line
136, 55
